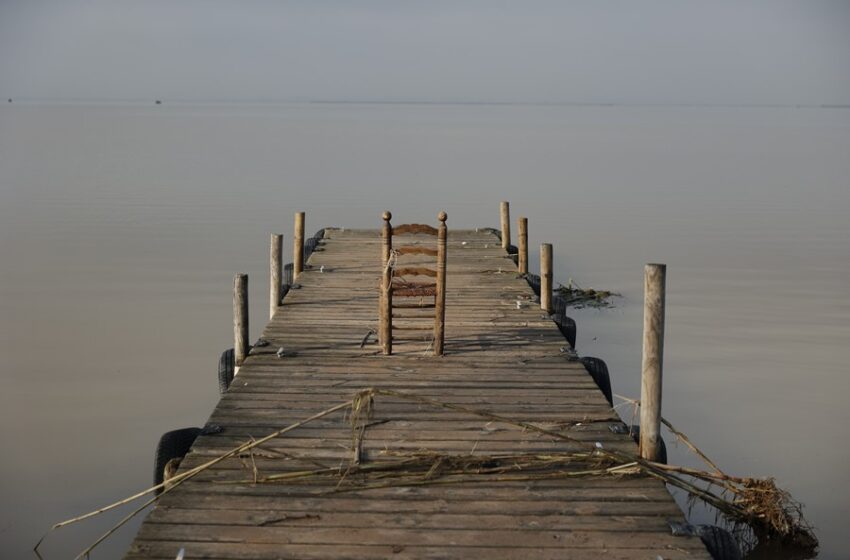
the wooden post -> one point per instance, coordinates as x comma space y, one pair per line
653, 359
523, 245
546, 277
440, 300
275, 273
298, 246
385, 333
506, 224
240, 318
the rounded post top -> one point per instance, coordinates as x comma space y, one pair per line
442, 216
387, 215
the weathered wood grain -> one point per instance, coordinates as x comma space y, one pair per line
298, 246
653, 359
522, 239
275, 273
505, 219
502, 354
240, 317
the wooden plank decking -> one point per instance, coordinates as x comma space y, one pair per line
499, 357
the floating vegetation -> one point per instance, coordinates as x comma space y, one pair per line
759, 512
579, 298
756, 505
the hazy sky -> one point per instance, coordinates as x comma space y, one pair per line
660, 51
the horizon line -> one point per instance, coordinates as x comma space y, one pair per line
331, 101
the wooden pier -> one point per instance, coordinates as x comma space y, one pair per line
503, 355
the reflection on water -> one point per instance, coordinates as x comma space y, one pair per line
121, 228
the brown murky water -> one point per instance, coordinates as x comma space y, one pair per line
121, 228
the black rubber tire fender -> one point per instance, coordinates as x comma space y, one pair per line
172, 445
513, 254
533, 281
598, 370
719, 542
559, 306
568, 328
226, 370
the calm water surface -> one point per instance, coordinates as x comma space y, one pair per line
121, 228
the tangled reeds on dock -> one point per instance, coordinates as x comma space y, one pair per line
503, 446
749, 504
756, 504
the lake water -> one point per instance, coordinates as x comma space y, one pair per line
121, 228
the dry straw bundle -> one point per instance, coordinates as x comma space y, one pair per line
754, 506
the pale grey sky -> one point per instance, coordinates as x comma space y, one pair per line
658, 51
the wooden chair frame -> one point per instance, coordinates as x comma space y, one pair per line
391, 270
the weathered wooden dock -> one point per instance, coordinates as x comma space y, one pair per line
502, 355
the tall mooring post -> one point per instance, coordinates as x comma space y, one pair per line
505, 211
653, 360
298, 246
275, 273
440, 298
385, 336
522, 239
240, 318
546, 277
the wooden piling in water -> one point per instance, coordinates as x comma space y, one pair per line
653, 360
385, 335
522, 237
298, 246
240, 318
505, 210
440, 299
275, 273
546, 277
